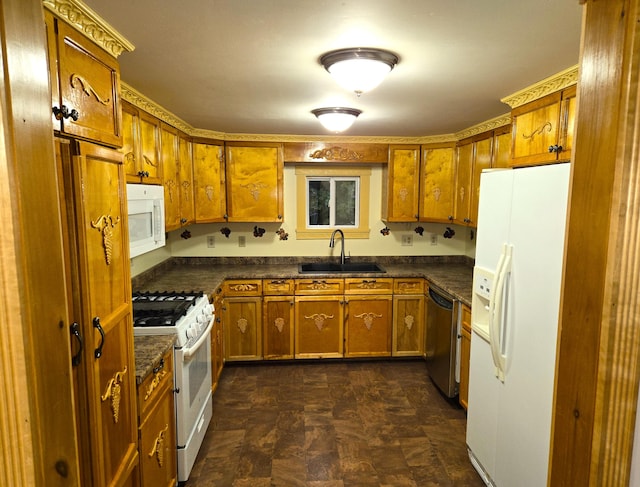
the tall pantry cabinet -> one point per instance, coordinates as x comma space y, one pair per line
92, 192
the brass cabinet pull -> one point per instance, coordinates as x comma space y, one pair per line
114, 391
158, 446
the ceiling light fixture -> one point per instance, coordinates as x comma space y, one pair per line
359, 69
336, 119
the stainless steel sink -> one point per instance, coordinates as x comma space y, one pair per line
334, 268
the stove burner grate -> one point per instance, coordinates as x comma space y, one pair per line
161, 308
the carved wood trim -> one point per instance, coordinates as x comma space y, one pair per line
85, 20
113, 391
557, 82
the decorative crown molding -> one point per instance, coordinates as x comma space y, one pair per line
85, 20
559, 81
485, 126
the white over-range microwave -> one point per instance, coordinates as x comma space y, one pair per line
146, 218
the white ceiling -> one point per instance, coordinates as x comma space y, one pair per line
251, 66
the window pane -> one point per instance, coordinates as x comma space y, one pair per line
345, 203
319, 197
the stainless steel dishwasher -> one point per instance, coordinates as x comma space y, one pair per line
442, 342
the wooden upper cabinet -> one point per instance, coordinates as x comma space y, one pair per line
464, 169
400, 190
209, 182
85, 83
254, 182
177, 169
437, 182
482, 160
141, 146
169, 157
149, 146
543, 129
185, 179
501, 147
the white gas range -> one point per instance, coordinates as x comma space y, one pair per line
190, 317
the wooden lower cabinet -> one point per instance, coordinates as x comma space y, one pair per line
319, 331
217, 343
408, 317
242, 318
278, 327
465, 354
157, 429
368, 326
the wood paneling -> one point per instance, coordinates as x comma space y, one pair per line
599, 337
36, 404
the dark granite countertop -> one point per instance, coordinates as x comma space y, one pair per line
451, 274
148, 351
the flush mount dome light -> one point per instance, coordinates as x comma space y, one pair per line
336, 119
359, 69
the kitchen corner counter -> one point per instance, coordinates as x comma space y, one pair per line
452, 275
148, 351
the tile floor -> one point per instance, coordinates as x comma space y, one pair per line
333, 424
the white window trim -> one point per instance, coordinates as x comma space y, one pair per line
333, 179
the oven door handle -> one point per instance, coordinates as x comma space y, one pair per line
187, 354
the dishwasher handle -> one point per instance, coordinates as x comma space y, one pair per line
440, 300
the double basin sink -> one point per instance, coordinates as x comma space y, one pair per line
335, 268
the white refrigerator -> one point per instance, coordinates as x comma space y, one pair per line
515, 312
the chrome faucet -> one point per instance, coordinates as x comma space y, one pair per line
332, 243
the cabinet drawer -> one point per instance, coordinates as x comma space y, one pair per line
242, 287
278, 287
319, 286
154, 385
368, 285
410, 285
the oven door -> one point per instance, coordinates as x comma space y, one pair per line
193, 384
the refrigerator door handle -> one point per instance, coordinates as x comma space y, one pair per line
498, 315
494, 335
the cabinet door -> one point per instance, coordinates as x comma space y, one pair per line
465, 354
185, 178
254, 182
104, 285
243, 328
401, 192
88, 82
464, 169
149, 141
130, 143
278, 327
319, 326
483, 151
501, 147
169, 158
536, 127
209, 182
408, 325
368, 326
157, 443
437, 183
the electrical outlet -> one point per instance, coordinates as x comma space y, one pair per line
211, 241
407, 240
434, 239
242, 241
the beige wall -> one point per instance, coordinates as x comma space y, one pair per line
271, 245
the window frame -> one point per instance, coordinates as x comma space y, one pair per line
332, 201
361, 230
